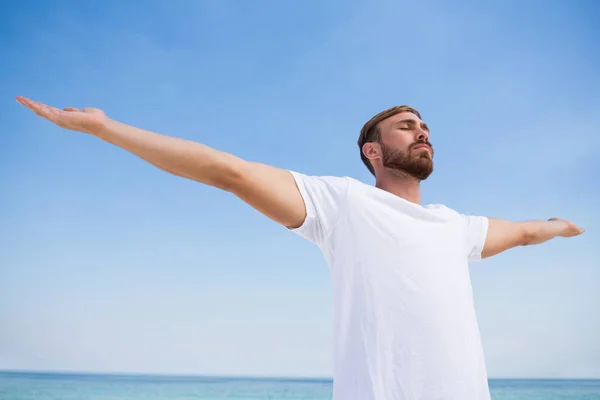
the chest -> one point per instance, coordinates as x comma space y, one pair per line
402, 245
406, 227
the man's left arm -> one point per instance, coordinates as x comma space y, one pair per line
503, 235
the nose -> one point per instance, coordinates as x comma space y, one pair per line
422, 135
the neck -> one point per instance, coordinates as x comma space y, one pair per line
402, 185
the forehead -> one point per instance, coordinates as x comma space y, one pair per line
403, 116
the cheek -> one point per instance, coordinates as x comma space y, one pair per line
400, 140
403, 145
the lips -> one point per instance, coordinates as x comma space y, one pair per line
422, 146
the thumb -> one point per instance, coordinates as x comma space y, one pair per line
89, 109
70, 109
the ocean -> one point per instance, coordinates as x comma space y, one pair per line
63, 386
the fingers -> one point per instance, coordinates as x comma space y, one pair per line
25, 101
34, 106
70, 109
576, 230
46, 111
40, 109
570, 228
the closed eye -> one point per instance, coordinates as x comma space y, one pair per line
411, 124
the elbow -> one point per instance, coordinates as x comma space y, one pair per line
527, 237
229, 176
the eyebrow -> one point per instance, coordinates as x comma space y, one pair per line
413, 122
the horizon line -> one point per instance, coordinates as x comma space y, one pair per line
245, 377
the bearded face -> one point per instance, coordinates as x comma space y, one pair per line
416, 161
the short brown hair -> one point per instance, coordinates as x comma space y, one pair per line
370, 131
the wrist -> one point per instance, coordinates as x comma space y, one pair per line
102, 128
537, 232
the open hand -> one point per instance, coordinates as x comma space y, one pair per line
569, 229
88, 120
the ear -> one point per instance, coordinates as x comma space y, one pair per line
372, 150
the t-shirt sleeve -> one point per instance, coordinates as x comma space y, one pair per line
476, 229
324, 198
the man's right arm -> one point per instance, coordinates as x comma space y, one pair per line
270, 190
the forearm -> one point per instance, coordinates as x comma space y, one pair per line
536, 232
503, 235
177, 156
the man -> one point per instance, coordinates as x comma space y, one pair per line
404, 321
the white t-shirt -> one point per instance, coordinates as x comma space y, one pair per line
404, 320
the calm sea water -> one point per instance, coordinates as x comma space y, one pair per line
52, 386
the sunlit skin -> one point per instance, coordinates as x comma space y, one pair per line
273, 192
406, 133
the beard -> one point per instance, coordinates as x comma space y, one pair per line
416, 164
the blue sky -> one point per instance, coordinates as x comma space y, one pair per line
109, 264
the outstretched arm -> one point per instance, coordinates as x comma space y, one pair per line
503, 235
270, 190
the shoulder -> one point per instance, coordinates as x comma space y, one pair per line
328, 179
443, 210
326, 183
